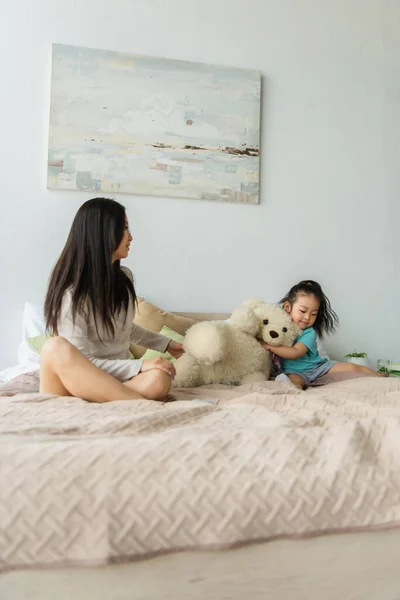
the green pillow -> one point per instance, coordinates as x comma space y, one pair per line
177, 337
38, 342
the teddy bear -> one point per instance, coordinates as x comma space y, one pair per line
229, 352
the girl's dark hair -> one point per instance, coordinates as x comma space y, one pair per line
85, 266
327, 320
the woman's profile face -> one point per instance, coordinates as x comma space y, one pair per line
124, 246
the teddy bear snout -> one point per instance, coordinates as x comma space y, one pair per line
274, 334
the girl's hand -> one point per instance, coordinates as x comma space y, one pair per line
159, 363
266, 346
175, 349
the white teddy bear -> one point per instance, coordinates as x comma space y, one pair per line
228, 351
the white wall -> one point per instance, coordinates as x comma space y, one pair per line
330, 158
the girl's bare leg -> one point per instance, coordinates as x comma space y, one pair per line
297, 380
65, 371
351, 367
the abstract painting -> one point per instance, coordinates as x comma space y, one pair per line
121, 123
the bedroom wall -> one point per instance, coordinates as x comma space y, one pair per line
330, 154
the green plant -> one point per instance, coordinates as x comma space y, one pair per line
356, 355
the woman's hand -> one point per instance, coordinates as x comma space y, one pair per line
159, 363
175, 349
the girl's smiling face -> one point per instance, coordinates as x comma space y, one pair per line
304, 310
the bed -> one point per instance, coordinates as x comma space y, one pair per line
220, 492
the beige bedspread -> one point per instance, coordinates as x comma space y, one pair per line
94, 483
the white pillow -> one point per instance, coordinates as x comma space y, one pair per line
33, 324
12, 372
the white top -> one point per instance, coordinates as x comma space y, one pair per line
111, 354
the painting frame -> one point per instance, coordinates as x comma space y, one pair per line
126, 123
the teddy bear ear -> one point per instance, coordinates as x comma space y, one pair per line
253, 303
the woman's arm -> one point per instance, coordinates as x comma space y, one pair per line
291, 353
145, 337
155, 341
148, 339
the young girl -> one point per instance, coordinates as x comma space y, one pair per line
311, 310
90, 306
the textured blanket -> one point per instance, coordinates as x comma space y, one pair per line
95, 483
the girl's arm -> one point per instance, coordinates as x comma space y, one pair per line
292, 353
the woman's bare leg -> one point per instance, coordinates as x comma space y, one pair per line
154, 384
351, 367
65, 371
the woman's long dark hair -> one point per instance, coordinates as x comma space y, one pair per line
327, 320
86, 268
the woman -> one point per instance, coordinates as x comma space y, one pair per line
89, 306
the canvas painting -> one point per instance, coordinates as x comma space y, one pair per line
121, 123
